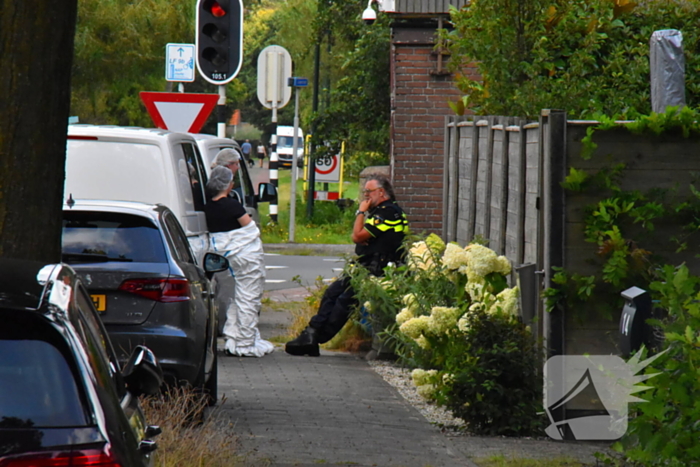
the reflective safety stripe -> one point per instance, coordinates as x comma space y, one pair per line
399, 225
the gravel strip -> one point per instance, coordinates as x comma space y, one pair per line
400, 378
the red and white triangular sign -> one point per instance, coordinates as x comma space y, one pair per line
177, 111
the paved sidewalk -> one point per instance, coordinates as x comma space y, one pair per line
335, 410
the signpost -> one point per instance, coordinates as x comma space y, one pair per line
179, 62
274, 67
177, 111
295, 83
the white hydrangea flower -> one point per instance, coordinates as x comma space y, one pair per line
443, 319
411, 301
475, 289
503, 265
481, 261
423, 342
368, 306
435, 243
463, 323
420, 257
414, 327
427, 391
404, 315
421, 377
448, 379
506, 302
455, 257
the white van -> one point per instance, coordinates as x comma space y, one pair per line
140, 164
285, 145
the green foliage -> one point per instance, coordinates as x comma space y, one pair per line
575, 180
120, 51
665, 430
449, 314
496, 386
355, 163
583, 56
623, 223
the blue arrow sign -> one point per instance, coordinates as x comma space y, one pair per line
179, 62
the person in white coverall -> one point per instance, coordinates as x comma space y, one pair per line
235, 235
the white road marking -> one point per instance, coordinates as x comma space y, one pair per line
272, 254
335, 260
275, 281
276, 267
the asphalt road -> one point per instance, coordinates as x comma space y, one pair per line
282, 269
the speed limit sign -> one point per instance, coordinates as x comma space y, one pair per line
328, 168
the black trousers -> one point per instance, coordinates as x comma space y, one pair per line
336, 304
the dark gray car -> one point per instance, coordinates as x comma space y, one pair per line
136, 263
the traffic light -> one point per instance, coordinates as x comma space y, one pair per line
219, 39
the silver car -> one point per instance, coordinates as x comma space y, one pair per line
143, 279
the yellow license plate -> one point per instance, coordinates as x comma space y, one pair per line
100, 302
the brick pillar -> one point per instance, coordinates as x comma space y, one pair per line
420, 95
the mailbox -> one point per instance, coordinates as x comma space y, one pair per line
634, 331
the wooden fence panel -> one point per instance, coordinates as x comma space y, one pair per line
515, 210
499, 189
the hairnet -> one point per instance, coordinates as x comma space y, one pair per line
225, 157
219, 178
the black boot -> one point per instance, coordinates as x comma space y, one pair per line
305, 344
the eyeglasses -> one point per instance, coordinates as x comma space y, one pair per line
366, 192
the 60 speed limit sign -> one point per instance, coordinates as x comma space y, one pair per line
328, 168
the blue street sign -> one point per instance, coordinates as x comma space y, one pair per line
179, 62
297, 82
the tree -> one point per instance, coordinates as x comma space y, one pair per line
584, 56
36, 49
120, 51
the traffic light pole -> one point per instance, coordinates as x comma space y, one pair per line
221, 112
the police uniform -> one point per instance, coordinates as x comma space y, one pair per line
387, 224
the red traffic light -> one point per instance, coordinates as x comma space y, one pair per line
215, 8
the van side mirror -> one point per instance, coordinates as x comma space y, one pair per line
142, 372
214, 263
267, 192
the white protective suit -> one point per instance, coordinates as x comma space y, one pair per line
243, 249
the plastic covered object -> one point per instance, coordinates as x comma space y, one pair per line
667, 68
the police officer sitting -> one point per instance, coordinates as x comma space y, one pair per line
378, 232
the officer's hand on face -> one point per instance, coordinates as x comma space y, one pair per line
365, 205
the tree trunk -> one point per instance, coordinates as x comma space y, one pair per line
36, 52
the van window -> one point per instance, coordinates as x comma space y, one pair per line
288, 142
115, 170
197, 175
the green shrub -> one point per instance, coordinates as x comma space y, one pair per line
449, 314
666, 429
496, 383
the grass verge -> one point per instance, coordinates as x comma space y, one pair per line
191, 435
352, 338
328, 225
